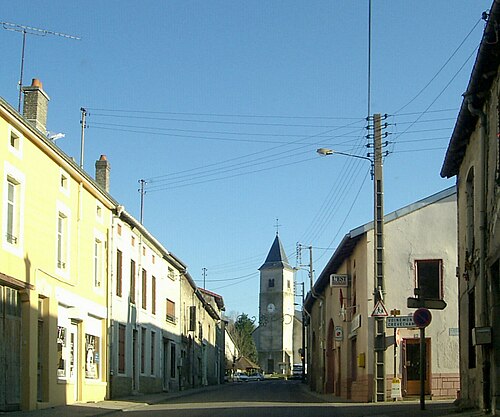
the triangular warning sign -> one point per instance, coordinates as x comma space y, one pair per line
379, 310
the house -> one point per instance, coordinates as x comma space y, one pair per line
420, 247
202, 340
143, 310
55, 232
473, 157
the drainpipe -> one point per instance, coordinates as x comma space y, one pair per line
483, 285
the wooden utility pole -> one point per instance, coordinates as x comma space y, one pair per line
378, 245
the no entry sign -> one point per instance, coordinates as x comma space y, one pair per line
422, 317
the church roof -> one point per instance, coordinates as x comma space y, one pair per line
276, 256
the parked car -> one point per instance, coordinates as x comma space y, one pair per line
240, 377
257, 376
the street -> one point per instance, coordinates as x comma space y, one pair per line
274, 398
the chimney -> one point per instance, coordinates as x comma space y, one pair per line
35, 106
102, 170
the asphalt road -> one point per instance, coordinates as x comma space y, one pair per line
275, 399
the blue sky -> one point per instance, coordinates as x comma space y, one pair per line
221, 105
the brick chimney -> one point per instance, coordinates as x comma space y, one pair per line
35, 106
102, 170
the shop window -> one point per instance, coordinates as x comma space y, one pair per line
92, 358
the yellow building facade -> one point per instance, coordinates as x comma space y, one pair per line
55, 226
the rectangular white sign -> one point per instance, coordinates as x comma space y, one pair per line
338, 280
400, 322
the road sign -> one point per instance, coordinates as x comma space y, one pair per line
422, 317
379, 310
338, 280
426, 303
400, 322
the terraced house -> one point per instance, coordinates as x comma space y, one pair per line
92, 306
53, 269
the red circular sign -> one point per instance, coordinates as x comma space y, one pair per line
422, 317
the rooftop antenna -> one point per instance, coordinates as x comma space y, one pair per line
28, 30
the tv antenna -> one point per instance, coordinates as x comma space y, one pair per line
28, 30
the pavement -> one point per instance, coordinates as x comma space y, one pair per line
102, 408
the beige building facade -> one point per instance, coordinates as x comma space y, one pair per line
53, 267
473, 157
420, 250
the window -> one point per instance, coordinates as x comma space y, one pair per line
12, 215
98, 264
469, 228
170, 316
192, 318
62, 240
144, 251
119, 229
64, 182
121, 348
15, 140
171, 273
429, 281
12, 230
153, 259
143, 349
271, 283
288, 284
153, 343
132, 241
15, 143
93, 351
153, 295
119, 272
132, 281
144, 289
61, 346
98, 212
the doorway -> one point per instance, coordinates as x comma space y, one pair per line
10, 349
411, 368
134, 360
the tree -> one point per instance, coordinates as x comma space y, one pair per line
241, 330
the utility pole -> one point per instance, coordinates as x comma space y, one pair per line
378, 245
28, 30
204, 270
82, 140
142, 192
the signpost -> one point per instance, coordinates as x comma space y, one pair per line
422, 318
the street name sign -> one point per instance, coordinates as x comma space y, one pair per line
399, 322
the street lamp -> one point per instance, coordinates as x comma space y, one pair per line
327, 151
378, 244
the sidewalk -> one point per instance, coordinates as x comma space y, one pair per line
102, 408
106, 407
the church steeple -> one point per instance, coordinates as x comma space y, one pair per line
276, 256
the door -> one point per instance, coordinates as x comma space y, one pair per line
74, 376
411, 370
10, 349
166, 361
134, 360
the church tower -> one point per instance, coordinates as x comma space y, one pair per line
276, 311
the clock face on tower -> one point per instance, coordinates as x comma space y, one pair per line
271, 308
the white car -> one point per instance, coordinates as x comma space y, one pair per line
240, 377
256, 377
